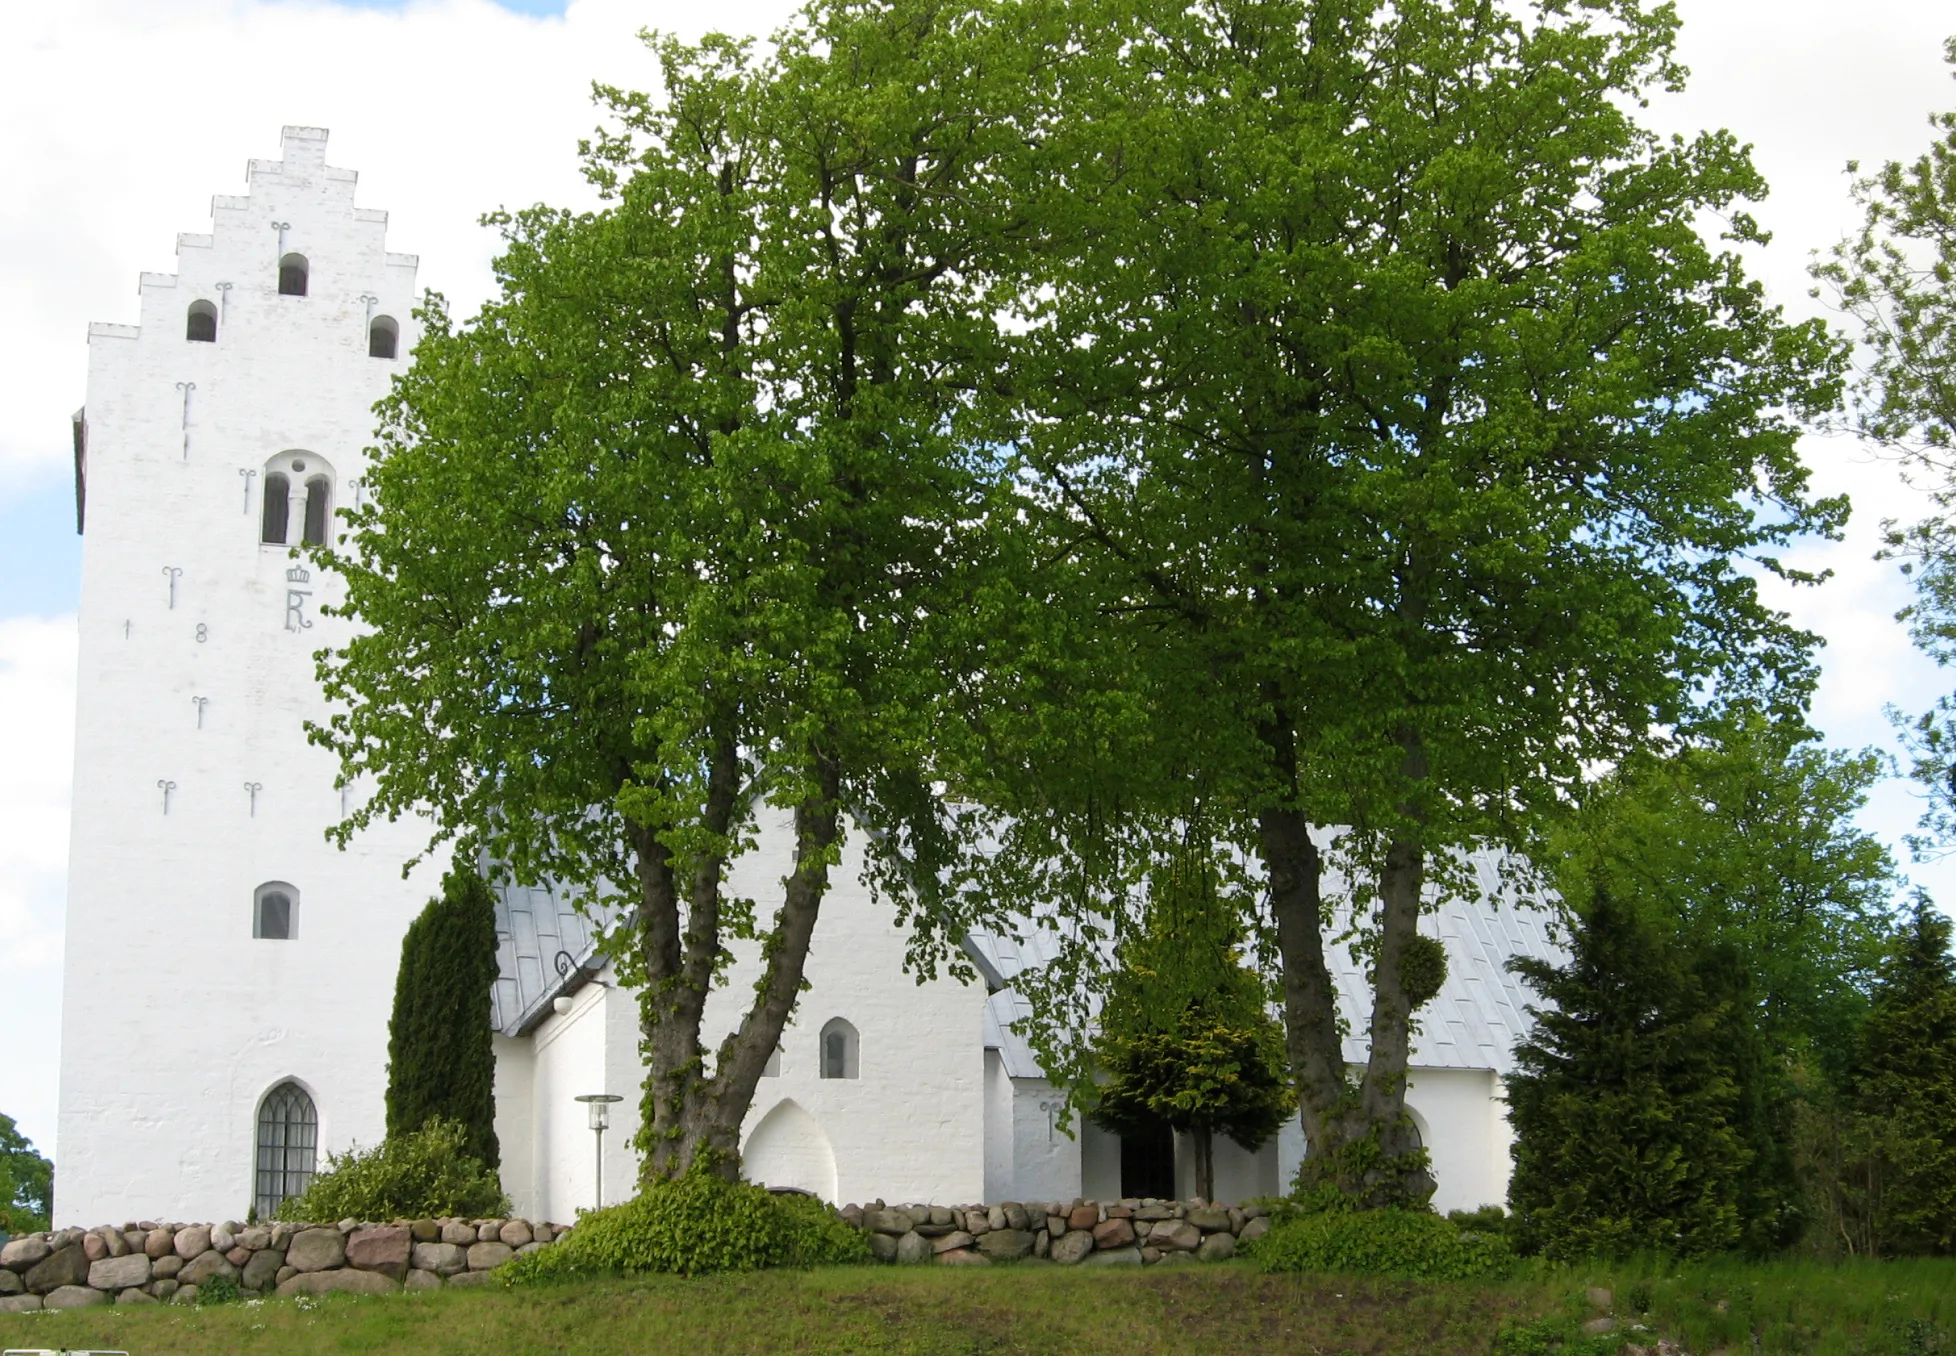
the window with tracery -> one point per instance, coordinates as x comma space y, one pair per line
288, 1147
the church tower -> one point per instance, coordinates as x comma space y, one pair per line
229, 972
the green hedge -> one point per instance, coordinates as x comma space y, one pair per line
1405, 1244
700, 1223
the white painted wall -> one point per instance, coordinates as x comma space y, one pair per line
1045, 1158
175, 1021
515, 1084
910, 1126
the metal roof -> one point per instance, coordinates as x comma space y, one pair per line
544, 947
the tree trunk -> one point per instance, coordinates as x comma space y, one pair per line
689, 1117
1203, 1140
1357, 1139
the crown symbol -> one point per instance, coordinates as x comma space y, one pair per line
298, 575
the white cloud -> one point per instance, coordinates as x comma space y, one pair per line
37, 736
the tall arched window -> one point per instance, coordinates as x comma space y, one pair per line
292, 273
319, 509
382, 336
288, 1146
275, 912
201, 325
278, 508
841, 1053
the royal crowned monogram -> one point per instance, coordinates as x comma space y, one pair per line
295, 599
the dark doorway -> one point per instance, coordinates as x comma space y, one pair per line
1148, 1164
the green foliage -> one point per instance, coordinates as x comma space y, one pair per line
1744, 836
1557, 1335
1186, 1038
1387, 477
440, 1063
425, 1173
1899, 1177
1897, 278
694, 1225
677, 526
26, 1183
1412, 1245
1624, 1101
218, 1290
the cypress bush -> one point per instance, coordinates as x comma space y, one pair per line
440, 1064
1624, 1103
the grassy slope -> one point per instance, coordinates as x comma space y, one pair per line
1852, 1311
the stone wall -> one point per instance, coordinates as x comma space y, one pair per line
1145, 1232
150, 1263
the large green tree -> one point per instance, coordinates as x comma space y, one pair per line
1409, 450
26, 1182
1896, 278
669, 536
441, 1063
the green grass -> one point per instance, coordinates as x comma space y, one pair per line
1890, 1309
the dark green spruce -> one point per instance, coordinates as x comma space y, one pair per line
1625, 1105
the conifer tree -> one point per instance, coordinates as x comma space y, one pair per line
1187, 1038
440, 1064
1624, 1105
1905, 1096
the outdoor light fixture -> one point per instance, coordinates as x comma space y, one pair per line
599, 1104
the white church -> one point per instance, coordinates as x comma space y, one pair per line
229, 973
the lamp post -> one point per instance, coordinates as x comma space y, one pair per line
599, 1105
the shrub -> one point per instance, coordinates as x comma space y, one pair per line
697, 1224
440, 1064
1624, 1101
1404, 1244
219, 1290
424, 1174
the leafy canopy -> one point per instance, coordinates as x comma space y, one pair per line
26, 1182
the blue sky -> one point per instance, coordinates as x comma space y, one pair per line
448, 108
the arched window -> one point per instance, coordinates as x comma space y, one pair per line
840, 1051
319, 509
292, 272
288, 1146
275, 912
382, 336
278, 507
202, 323
772, 1069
